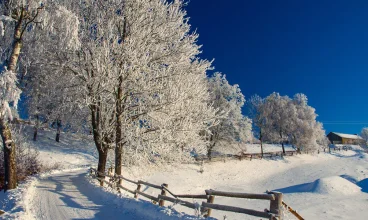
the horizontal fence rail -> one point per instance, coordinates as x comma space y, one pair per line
248, 156
238, 210
206, 206
241, 195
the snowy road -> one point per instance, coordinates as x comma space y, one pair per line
69, 195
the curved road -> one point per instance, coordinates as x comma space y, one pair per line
69, 195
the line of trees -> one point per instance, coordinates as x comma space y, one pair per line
280, 119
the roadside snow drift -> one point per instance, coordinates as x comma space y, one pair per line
335, 185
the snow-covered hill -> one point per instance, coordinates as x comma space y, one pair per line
319, 186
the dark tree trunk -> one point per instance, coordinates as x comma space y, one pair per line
101, 146
57, 138
118, 132
209, 151
120, 102
260, 139
35, 134
58, 130
36, 128
282, 143
118, 161
9, 156
102, 159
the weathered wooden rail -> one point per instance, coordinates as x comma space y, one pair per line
248, 156
206, 207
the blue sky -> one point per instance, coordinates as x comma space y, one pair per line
315, 47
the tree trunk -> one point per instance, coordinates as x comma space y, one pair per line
8, 144
36, 129
282, 143
261, 149
17, 45
209, 152
260, 139
57, 138
9, 156
35, 134
118, 161
58, 130
102, 159
118, 132
119, 125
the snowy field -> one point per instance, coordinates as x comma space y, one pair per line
319, 186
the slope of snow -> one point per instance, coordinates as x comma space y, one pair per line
72, 151
13, 202
333, 185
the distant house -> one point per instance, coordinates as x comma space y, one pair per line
339, 138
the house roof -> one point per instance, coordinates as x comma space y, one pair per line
349, 136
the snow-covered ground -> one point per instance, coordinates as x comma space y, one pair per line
73, 151
319, 186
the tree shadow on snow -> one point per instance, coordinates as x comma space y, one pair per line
364, 185
300, 188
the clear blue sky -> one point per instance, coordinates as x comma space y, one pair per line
316, 47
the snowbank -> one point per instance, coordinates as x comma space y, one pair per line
14, 202
334, 185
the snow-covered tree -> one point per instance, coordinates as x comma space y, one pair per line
161, 93
364, 134
306, 133
279, 112
233, 126
139, 74
280, 119
15, 19
49, 91
257, 112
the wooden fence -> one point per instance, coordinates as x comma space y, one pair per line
247, 156
206, 207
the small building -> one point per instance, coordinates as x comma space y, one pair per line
340, 138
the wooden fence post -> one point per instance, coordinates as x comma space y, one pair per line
210, 199
163, 193
137, 190
276, 205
